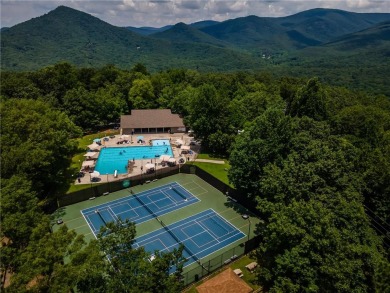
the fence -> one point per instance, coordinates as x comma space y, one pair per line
206, 267
100, 189
96, 190
225, 258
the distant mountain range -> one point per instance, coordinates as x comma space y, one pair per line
246, 43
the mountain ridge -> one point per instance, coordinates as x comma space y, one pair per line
66, 34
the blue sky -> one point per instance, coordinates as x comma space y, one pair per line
158, 13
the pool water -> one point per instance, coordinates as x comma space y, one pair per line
116, 158
157, 142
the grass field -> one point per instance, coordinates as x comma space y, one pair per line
219, 171
210, 198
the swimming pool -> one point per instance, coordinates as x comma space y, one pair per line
116, 158
157, 142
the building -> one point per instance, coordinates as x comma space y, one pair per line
151, 121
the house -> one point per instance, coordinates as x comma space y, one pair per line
151, 121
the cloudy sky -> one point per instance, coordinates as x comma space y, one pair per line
157, 13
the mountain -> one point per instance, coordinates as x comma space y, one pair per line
188, 34
373, 38
359, 60
203, 23
308, 28
65, 34
341, 47
326, 24
145, 31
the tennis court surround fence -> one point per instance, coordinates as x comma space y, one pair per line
101, 189
226, 258
204, 268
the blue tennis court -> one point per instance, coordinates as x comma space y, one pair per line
140, 207
201, 234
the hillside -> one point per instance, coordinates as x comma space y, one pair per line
343, 48
188, 34
359, 60
308, 28
66, 34
145, 31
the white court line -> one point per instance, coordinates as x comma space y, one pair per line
227, 222
207, 229
126, 198
197, 184
89, 225
204, 231
111, 212
168, 196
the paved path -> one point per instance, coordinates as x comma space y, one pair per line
210, 161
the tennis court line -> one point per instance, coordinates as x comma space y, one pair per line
207, 229
223, 219
184, 225
198, 186
65, 222
168, 196
237, 232
114, 216
127, 197
204, 230
89, 226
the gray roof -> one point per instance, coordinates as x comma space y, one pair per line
151, 118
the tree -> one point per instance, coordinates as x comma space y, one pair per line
311, 100
130, 269
36, 143
323, 244
265, 140
312, 206
141, 94
208, 113
43, 268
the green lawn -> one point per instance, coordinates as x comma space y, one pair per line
217, 170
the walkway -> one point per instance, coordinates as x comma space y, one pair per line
210, 161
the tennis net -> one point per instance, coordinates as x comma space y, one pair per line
178, 241
179, 193
212, 219
101, 217
144, 205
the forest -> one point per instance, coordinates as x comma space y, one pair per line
314, 158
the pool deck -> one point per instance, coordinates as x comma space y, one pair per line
136, 170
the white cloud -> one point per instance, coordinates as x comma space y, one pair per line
162, 12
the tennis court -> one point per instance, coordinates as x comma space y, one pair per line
139, 207
201, 234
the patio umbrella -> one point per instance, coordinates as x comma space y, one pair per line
96, 140
94, 146
88, 163
165, 157
95, 174
179, 142
149, 166
140, 137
